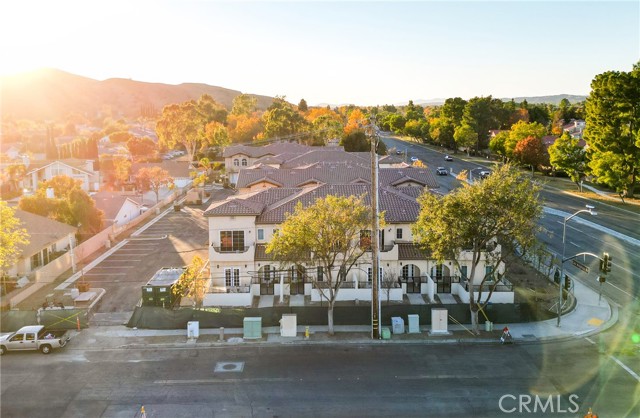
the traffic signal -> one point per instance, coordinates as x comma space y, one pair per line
567, 282
605, 263
608, 263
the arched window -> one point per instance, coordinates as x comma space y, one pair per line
244, 162
410, 270
236, 162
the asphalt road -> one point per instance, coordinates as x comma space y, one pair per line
623, 283
381, 380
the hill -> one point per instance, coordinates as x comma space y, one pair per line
53, 94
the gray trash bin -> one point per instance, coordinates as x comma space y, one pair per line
397, 325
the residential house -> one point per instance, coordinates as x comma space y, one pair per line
47, 240
119, 208
76, 169
575, 128
179, 169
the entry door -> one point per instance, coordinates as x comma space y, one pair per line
297, 280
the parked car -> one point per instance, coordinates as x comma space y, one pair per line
414, 159
441, 171
398, 152
448, 158
33, 337
484, 174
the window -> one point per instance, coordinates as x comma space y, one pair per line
232, 276
438, 271
260, 234
463, 272
410, 270
320, 274
236, 162
369, 269
30, 336
231, 241
488, 272
399, 233
244, 162
36, 261
17, 337
267, 273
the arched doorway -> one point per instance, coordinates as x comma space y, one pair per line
411, 276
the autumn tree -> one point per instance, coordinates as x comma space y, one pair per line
69, 204
141, 147
120, 137
243, 128
324, 233
504, 209
15, 173
153, 179
613, 129
186, 124
12, 237
193, 282
121, 170
530, 151
520, 131
567, 155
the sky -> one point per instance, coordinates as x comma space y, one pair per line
339, 52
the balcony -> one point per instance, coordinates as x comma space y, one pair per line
227, 250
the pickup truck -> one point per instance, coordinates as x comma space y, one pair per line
33, 337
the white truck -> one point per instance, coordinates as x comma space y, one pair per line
33, 337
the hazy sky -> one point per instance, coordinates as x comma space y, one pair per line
330, 52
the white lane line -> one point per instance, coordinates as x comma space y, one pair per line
573, 243
590, 340
105, 274
119, 261
624, 366
120, 267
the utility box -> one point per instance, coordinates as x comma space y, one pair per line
288, 325
193, 329
386, 333
252, 327
439, 321
397, 325
414, 324
159, 289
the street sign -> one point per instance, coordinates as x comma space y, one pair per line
580, 266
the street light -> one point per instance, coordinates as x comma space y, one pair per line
589, 210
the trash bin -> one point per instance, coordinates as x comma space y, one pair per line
386, 334
488, 326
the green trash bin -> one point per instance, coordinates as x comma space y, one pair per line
386, 334
488, 326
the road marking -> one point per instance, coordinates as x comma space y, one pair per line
216, 381
596, 322
119, 267
624, 366
621, 364
105, 274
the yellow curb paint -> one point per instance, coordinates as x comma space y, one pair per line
596, 322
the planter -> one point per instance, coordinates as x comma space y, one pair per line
83, 286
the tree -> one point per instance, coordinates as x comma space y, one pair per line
153, 179
121, 170
120, 137
185, 124
141, 147
567, 155
302, 105
70, 205
243, 128
326, 234
325, 127
497, 144
520, 131
356, 141
15, 173
530, 151
478, 114
281, 119
12, 237
193, 282
244, 104
465, 137
612, 129
503, 209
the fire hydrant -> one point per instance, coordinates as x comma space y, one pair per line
306, 332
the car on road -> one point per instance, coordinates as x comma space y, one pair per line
414, 159
399, 152
441, 171
448, 158
484, 174
33, 337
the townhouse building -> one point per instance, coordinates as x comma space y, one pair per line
241, 226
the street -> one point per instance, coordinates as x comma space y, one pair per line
585, 233
400, 380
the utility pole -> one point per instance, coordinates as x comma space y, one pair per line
375, 261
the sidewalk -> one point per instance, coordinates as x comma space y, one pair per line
589, 317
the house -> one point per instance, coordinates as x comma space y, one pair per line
575, 128
47, 240
119, 209
242, 156
10, 151
76, 169
241, 226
